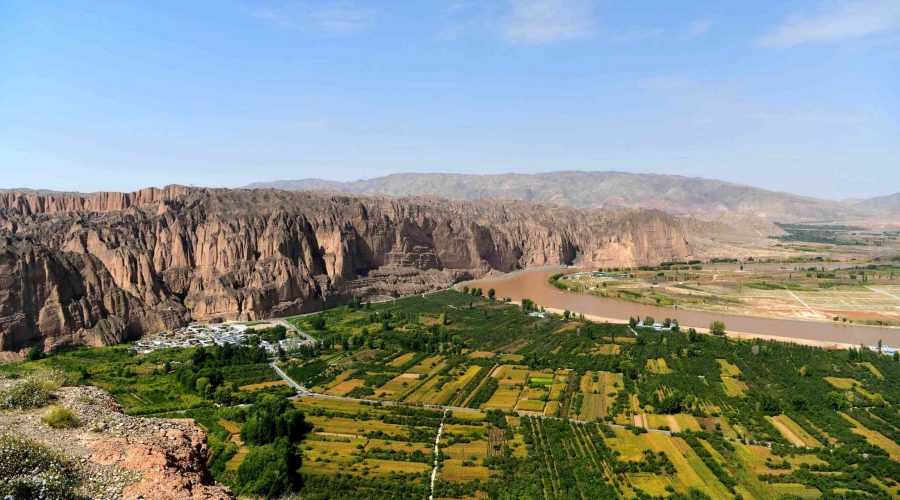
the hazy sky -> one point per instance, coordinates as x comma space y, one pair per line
797, 96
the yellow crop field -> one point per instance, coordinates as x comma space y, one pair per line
349, 407
792, 431
728, 369
467, 415
551, 409
599, 391
652, 484
683, 422
627, 444
535, 393
427, 365
842, 383
503, 399
261, 385
461, 381
330, 448
734, 387
453, 470
238, 458
348, 426
512, 375
659, 366
608, 349
387, 467
230, 426
530, 405
751, 463
402, 360
424, 393
591, 407
387, 444
556, 391
337, 380
345, 387
472, 451
875, 437
691, 472
398, 385
481, 354
871, 367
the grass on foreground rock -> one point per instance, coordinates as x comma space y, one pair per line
60, 417
31, 470
34, 391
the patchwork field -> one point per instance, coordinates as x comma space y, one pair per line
820, 422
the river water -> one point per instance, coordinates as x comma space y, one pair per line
533, 284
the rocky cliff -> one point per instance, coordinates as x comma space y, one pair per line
119, 456
98, 269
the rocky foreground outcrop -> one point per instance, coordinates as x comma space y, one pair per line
98, 269
120, 456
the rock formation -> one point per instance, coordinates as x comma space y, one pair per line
122, 456
98, 269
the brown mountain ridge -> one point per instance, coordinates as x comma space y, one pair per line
676, 194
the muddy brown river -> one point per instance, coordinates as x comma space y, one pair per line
532, 284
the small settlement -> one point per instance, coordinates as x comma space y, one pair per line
208, 336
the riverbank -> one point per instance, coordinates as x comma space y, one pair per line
533, 284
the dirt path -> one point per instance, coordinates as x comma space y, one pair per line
437, 443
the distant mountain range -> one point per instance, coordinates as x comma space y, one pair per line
589, 190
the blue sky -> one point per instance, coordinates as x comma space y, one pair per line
796, 96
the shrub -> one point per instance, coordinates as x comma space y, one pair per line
34, 391
35, 354
60, 417
30, 470
25, 394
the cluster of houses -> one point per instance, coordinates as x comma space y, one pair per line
657, 326
208, 336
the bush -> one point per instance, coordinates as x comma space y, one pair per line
34, 391
30, 470
35, 354
25, 394
60, 417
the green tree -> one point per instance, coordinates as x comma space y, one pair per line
317, 322
835, 400
492, 293
717, 328
270, 470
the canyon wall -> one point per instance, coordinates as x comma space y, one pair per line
102, 268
